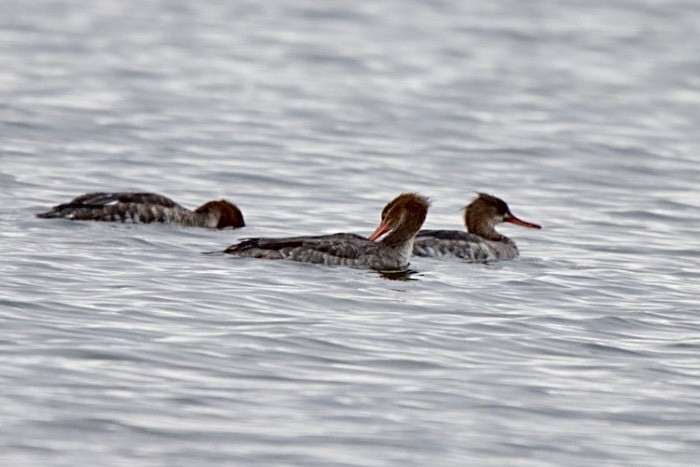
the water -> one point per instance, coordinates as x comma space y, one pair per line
128, 345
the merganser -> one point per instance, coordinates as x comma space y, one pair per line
482, 242
400, 221
146, 208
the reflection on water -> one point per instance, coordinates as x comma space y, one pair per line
407, 275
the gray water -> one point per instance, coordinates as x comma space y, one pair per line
128, 345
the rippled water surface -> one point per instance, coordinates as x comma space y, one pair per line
128, 345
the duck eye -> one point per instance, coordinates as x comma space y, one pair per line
502, 208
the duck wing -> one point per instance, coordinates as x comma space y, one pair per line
341, 245
88, 205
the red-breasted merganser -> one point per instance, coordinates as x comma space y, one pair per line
482, 242
401, 220
146, 208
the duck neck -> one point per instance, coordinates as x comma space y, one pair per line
397, 238
489, 233
191, 218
